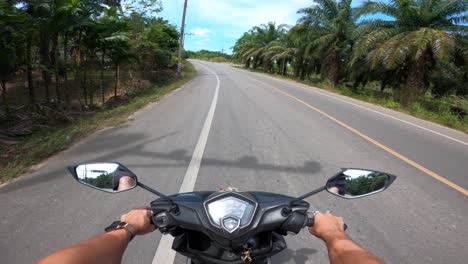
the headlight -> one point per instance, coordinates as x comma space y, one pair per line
230, 212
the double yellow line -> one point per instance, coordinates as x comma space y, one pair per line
371, 140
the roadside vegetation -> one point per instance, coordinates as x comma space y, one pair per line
404, 54
70, 67
214, 56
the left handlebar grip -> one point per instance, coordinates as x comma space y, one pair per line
161, 220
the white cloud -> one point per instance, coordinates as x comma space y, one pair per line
201, 32
245, 13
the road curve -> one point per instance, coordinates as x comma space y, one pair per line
266, 134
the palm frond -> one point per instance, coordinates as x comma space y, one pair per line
395, 51
443, 44
373, 7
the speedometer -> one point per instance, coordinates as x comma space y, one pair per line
230, 212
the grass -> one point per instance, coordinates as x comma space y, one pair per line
432, 109
214, 59
18, 159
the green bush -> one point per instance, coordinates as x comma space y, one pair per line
390, 103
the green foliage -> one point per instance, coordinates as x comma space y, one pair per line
255, 46
365, 184
214, 56
420, 37
57, 37
420, 48
103, 181
158, 44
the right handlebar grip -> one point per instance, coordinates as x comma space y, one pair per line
311, 220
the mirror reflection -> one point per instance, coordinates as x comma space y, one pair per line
109, 177
353, 183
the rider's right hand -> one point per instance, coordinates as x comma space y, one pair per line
328, 227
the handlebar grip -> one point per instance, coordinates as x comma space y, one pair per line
311, 220
161, 220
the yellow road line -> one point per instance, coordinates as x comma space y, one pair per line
373, 141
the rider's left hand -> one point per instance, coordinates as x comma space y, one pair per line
140, 220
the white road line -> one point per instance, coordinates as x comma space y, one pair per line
164, 253
374, 111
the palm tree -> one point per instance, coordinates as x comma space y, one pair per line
252, 47
419, 33
333, 23
292, 50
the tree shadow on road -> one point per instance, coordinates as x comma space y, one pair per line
182, 157
117, 146
104, 141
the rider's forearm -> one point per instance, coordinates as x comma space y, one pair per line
342, 250
106, 248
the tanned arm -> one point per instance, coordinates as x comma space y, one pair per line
341, 249
106, 248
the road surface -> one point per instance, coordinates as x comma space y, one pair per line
255, 132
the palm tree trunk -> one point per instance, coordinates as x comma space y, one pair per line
383, 83
247, 63
84, 79
79, 75
297, 69
65, 74
333, 72
85, 88
102, 75
91, 85
117, 78
53, 61
414, 86
284, 67
29, 77
45, 61
4, 94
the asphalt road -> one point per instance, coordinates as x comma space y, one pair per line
266, 134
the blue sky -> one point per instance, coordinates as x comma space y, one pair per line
217, 24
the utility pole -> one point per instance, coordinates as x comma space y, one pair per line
181, 41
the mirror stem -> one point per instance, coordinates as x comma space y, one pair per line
152, 190
311, 193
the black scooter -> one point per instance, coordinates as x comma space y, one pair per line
230, 226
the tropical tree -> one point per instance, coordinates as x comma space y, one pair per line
10, 29
418, 34
119, 53
158, 43
253, 47
333, 24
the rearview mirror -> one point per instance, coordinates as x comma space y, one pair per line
356, 183
107, 177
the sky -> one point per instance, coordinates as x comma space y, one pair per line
217, 24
